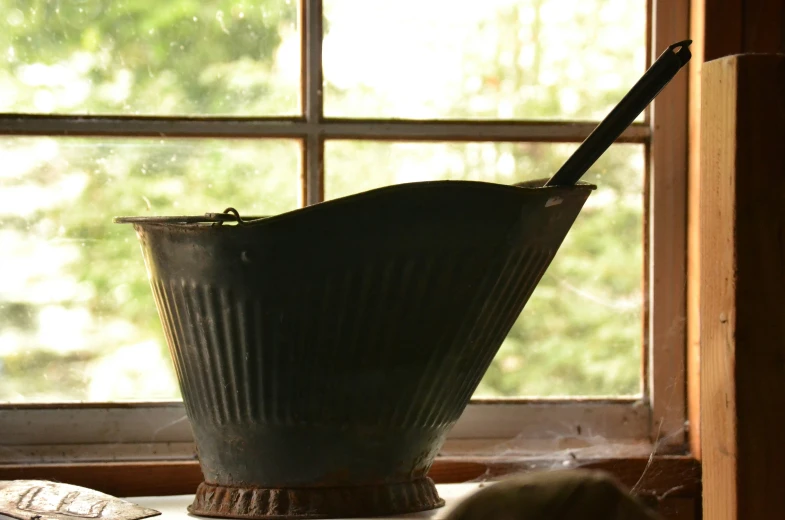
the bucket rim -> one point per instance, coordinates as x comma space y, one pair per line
231, 215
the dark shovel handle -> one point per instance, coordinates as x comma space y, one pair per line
621, 117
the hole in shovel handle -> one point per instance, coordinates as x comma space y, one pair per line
622, 116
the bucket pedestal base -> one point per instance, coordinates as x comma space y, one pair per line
316, 502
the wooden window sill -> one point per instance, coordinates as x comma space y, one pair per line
674, 477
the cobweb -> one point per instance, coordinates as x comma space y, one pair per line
516, 458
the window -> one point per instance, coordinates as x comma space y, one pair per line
155, 108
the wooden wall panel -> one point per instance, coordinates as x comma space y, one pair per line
719, 28
742, 284
762, 29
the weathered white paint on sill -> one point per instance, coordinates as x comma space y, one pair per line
161, 431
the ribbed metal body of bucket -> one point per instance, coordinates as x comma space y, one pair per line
324, 354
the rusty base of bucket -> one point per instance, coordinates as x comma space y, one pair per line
317, 502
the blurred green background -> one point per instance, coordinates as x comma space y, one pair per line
77, 318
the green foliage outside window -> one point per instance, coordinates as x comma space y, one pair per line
77, 318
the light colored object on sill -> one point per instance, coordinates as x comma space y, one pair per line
45, 500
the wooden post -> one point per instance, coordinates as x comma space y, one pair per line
718, 28
742, 284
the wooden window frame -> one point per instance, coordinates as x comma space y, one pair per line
60, 438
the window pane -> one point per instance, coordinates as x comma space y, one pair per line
508, 59
190, 57
77, 316
580, 334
